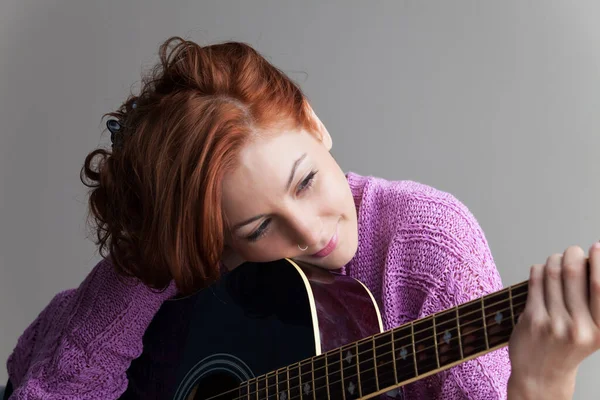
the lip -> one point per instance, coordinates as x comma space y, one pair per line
325, 251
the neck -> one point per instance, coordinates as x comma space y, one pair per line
379, 363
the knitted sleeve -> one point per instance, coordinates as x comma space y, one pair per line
81, 345
468, 272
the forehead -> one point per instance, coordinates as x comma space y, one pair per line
261, 172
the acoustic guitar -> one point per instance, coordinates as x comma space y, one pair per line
284, 330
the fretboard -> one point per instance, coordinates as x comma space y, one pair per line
399, 356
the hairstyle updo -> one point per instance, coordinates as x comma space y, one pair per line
155, 199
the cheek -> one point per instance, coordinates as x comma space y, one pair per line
334, 195
267, 249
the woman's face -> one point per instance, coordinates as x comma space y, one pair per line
286, 193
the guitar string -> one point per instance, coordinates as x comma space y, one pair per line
428, 338
470, 303
395, 340
416, 333
387, 353
315, 388
335, 353
393, 359
387, 370
364, 381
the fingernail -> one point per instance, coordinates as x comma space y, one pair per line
596, 245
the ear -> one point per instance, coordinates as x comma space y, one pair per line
325, 136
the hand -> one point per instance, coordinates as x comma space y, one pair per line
559, 327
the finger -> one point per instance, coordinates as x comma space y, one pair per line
535, 304
574, 274
594, 268
553, 288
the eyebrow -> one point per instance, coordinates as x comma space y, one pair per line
294, 167
287, 187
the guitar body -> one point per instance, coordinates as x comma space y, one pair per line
256, 319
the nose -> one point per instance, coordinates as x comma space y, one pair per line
307, 230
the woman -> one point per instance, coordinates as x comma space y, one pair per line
220, 159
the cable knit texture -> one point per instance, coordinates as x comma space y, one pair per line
420, 251
82, 343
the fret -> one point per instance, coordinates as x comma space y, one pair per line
342, 374
312, 373
471, 328
294, 381
425, 353
282, 384
435, 344
414, 350
320, 380
300, 384
497, 322
307, 378
287, 379
446, 329
261, 387
266, 387
350, 371
384, 359
487, 343
327, 377
357, 358
375, 364
244, 390
335, 383
458, 333
404, 353
519, 297
272, 386
252, 391
512, 312
366, 367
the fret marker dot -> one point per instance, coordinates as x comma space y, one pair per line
282, 396
351, 388
447, 336
349, 356
498, 317
306, 388
403, 353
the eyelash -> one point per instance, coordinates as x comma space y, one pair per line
308, 181
259, 232
263, 228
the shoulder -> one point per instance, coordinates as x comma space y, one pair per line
408, 203
105, 279
430, 229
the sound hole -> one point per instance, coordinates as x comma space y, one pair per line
216, 385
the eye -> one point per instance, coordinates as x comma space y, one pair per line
307, 182
259, 232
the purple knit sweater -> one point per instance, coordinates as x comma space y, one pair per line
420, 251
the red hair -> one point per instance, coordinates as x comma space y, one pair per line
155, 201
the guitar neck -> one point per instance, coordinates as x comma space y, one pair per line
379, 363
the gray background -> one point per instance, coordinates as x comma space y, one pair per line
495, 102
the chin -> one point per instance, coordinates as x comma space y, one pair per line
342, 259
332, 267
